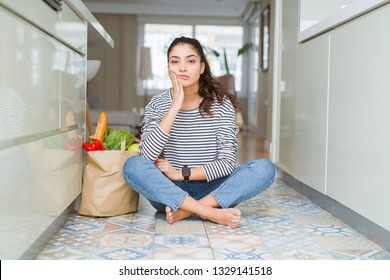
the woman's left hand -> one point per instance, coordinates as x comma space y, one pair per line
166, 168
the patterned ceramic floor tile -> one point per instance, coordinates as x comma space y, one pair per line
354, 242
133, 218
268, 221
255, 202
243, 247
183, 253
282, 191
280, 229
236, 242
65, 253
74, 217
122, 253
84, 225
242, 229
297, 204
320, 219
329, 230
239, 247
63, 238
126, 240
375, 254
277, 224
173, 241
192, 226
294, 242
243, 254
307, 253
248, 211
135, 224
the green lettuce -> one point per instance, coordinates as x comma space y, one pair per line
114, 138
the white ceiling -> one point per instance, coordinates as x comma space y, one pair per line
214, 8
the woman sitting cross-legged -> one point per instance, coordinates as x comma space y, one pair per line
189, 146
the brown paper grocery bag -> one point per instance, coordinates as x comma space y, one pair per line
105, 192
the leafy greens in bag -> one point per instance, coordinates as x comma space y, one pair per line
114, 138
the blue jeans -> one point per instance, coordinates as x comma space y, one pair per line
246, 181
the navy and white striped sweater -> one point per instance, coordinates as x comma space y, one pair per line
194, 140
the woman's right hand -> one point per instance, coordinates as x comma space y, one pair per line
177, 91
177, 102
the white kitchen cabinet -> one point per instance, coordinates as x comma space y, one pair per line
359, 116
311, 112
65, 25
42, 80
341, 127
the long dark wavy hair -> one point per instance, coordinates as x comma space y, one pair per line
209, 87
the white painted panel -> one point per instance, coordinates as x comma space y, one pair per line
64, 24
38, 181
29, 78
56, 172
359, 116
36, 11
73, 86
311, 112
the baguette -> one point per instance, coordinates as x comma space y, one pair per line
101, 127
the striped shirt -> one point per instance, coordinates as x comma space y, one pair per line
194, 140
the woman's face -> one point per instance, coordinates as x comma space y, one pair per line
185, 62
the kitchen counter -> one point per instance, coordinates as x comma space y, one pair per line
350, 12
97, 35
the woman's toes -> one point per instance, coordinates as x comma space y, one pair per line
169, 214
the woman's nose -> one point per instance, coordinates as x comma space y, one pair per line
182, 67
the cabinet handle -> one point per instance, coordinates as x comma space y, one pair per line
55, 4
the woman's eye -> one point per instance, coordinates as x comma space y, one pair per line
174, 61
191, 61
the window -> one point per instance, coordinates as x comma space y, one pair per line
158, 37
215, 37
220, 39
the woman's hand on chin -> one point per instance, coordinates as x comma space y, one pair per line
177, 91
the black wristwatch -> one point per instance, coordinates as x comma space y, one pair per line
186, 172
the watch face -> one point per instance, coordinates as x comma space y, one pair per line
186, 172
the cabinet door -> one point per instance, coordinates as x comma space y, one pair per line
359, 116
29, 78
38, 181
73, 86
311, 112
64, 24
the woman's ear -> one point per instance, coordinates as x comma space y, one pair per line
202, 66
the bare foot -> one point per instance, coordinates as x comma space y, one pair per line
176, 216
229, 217
169, 215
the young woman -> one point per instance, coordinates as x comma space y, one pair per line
189, 146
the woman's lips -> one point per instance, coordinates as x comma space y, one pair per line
183, 76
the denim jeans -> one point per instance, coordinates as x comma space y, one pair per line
246, 181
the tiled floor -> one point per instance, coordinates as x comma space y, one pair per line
276, 225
